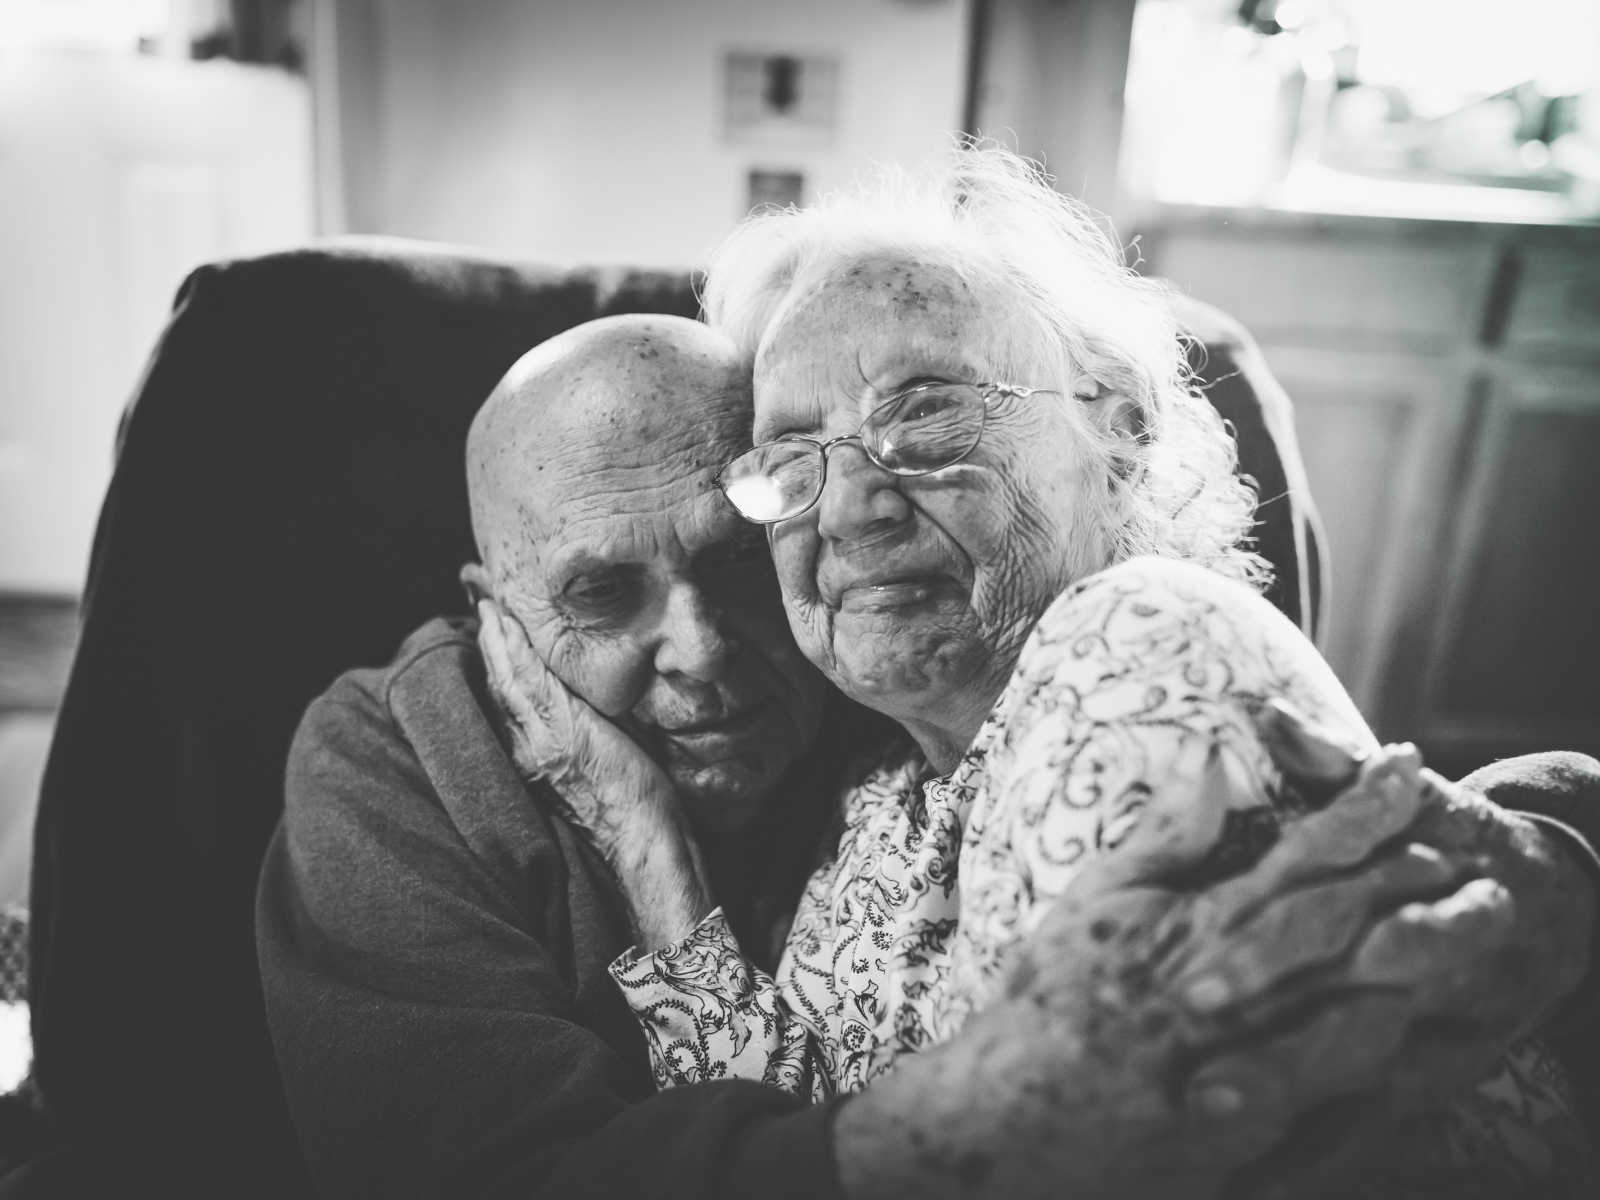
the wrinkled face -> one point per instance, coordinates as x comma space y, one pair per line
914, 595
651, 599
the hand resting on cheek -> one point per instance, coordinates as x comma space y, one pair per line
614, 795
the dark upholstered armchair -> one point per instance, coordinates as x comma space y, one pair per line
289, 502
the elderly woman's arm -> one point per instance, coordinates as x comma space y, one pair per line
1151, 1107
1150, 657
434, 939
705, 1010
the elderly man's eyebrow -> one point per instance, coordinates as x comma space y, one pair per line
573, 561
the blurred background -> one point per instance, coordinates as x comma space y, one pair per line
1400, 199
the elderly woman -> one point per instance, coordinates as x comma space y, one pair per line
1001, 515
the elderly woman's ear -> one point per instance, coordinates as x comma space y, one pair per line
1121, 420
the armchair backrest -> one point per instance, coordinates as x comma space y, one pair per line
288, 502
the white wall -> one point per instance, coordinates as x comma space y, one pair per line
1051, 85
591, 130
118, 175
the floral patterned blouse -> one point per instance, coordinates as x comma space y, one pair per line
1128, 681
1127, 684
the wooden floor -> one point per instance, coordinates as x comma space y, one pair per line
37, 636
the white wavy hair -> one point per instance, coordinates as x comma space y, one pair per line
1169, 483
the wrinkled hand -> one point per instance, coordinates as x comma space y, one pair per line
1465, 976
1493, 961
600, 773
615, 795
1306, 1004
1164, 1036
1213, 1017
1097, 1073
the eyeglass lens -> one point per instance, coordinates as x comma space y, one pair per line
915, 433
774, 481
925, 429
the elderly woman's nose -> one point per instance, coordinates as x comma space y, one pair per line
858, 496
692, 639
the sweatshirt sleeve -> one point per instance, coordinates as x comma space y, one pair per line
434, 1033
1560, 790
708, 1013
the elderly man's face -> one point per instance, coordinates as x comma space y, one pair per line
650, 598
915, 594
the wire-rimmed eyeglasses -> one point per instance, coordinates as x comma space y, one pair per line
917, 431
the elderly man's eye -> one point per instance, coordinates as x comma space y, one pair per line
600, 594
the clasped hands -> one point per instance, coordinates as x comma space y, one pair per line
1265, 1035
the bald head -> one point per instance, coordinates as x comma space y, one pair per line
591, 470
605, 397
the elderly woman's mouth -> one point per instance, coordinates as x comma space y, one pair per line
893, 592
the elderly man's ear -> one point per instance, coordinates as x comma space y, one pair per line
475, 580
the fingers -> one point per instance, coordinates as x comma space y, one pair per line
1455, 819
1439, 951
1310, 755
1236, 1110
1377, 808
541, 710
1315, 926
1344, 1146
496, 654
1085, 932
1347, 1046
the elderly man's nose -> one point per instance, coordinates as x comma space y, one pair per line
858, 497
693, 641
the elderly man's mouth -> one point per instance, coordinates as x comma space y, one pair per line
701, 734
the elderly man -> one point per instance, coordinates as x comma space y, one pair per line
435, 932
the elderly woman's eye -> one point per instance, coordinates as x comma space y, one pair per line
930, 404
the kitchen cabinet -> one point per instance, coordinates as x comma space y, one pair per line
1446, 381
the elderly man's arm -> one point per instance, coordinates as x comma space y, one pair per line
1558, 794
433, 943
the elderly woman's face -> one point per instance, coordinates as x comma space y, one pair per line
915, 594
